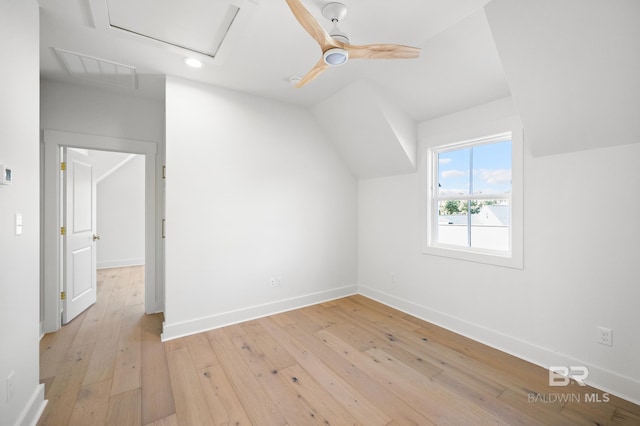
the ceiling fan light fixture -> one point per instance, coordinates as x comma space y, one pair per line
335, 56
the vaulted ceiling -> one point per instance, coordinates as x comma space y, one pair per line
459, 66
571, 66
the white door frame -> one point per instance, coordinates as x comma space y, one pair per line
53, 141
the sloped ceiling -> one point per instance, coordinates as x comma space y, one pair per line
367, 121
573, 67
459, 66
372, 135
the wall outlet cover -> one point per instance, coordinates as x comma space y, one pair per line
604, 336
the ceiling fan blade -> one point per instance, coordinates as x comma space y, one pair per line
382, 51
315, 71
311, 25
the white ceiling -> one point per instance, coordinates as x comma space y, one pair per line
459, 66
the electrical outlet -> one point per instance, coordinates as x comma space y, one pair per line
605, 336
278, 281
272, 281
11, 385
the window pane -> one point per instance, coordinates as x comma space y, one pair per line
469, 197
453, 223
492, 168
453, 172
490, 221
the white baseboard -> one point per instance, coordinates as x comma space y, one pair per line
176, 330
34, 409
600, 378
120, 263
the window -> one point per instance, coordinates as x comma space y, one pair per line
470, 200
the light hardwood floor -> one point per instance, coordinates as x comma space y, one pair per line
349, 361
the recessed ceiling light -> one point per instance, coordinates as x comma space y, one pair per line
192, 62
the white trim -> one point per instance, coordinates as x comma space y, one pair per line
53, 140
34, 408
462, 138
599, 378
469, 143
120, 263
173, 331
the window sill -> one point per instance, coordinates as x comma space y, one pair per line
506, 260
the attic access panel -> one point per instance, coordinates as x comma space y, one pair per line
196, 25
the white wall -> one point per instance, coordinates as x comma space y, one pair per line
120, 216
19, 254
580, 271
253, 191
84, 109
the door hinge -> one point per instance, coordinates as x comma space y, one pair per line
63, 230
63, 166
164, 172
63, 295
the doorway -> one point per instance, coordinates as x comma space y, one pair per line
102, 195
52, 284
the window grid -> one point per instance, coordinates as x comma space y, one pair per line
436, 196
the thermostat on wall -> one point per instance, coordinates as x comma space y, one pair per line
5, 175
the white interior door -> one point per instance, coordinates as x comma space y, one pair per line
79, 263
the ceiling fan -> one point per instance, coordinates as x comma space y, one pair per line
335, 46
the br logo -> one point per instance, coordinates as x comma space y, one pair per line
560, 375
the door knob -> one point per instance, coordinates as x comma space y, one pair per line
96, 237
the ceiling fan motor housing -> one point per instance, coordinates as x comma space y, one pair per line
334, 11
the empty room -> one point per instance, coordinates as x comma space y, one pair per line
271, 212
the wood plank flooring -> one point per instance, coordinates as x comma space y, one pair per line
93, 368
345, 362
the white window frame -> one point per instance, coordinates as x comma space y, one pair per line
514, 256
